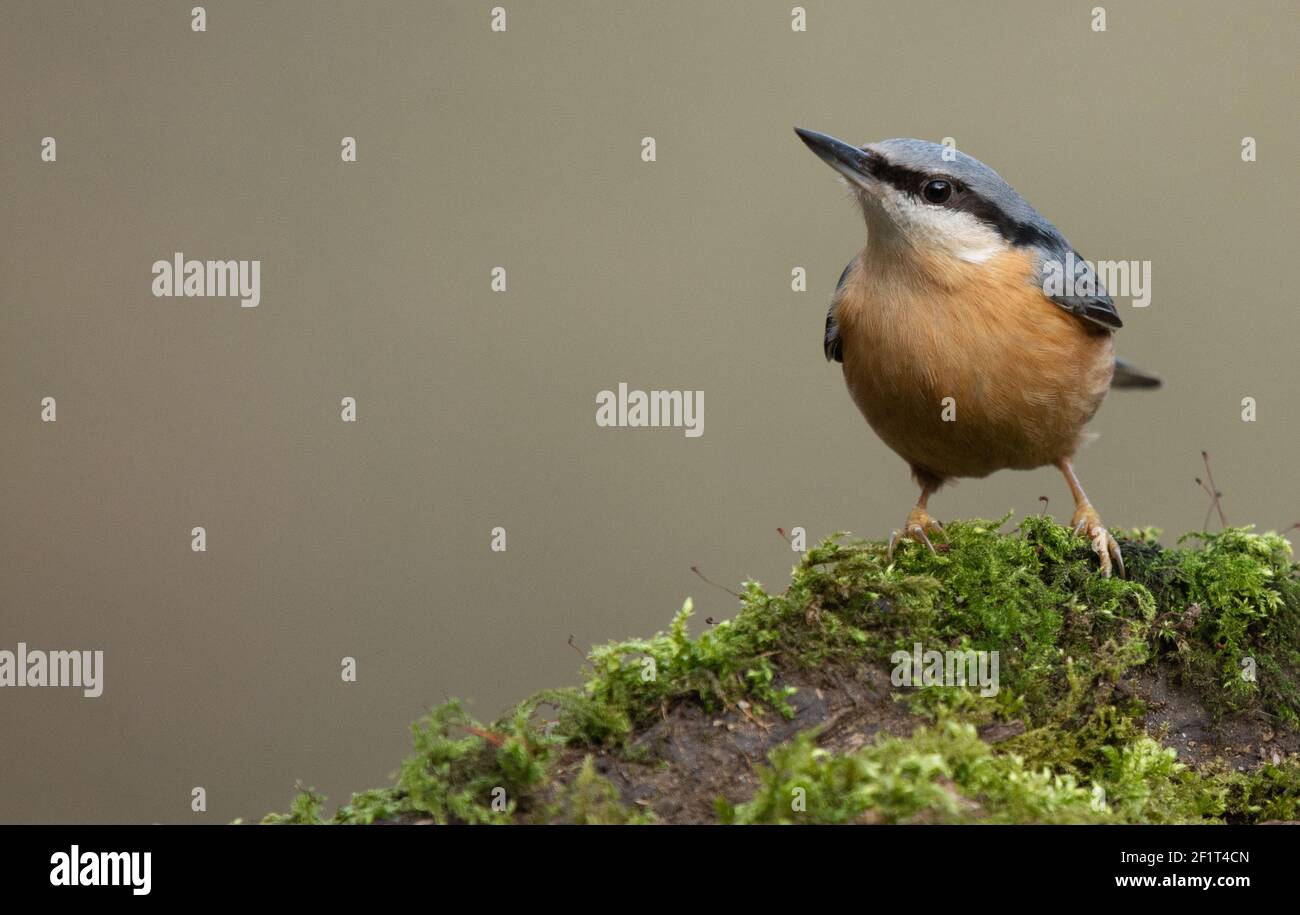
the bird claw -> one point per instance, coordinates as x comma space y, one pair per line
1088, 523
916, 526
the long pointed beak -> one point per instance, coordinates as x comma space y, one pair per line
850, 161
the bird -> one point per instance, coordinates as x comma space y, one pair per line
955, 346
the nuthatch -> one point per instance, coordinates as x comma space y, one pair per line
952, 347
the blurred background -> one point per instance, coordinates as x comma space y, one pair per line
476, 409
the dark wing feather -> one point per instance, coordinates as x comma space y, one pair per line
1128, 375
1086, 298
832, 346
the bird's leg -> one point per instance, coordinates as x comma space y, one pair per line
918, 524
1087, 522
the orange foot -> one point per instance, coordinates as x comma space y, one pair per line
1088, 522
916, 527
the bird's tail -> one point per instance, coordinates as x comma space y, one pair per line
1128, 375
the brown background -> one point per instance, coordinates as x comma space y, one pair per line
477, 409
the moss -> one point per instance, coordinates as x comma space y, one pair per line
1271, 792
1070, 644
591, 800
946, 774
1142, 781
940, 775
633, 679
1034, 598
459, 772
1230, 618
304, 811
368, 807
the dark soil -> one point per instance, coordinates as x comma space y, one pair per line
1177, 717
694, 757
690, 757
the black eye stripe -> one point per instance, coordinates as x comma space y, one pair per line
907, 180
910, 181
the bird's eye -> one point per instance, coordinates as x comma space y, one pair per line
936, 191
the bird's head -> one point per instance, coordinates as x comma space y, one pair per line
934, 199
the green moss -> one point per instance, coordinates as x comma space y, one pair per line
1271, 792
633, 679
1230, 617
304, 811
1037, 601
459, 772
1069, 642
368, 807
946, 774
940, 775
1143, 781
591, 800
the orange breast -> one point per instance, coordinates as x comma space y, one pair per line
964, 369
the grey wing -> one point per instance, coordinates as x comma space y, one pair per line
832, 346
1069, 281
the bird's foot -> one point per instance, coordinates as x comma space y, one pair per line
1088, 522
918, 526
